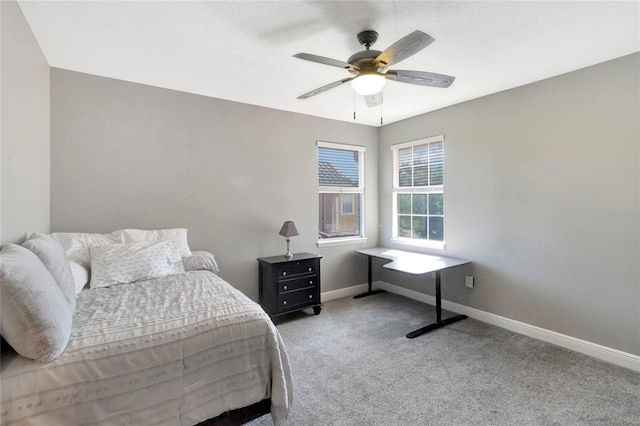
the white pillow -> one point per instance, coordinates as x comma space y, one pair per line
80, 276
76, 244
177, 235
131, 262
53, 257
36, 319
201, 260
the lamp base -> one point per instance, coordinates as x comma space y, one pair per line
288, 254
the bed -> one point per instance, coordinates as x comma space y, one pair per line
175, 350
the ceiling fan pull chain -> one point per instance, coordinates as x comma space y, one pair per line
381, 114
354, 105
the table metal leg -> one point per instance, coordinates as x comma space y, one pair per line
370, 291
439, 322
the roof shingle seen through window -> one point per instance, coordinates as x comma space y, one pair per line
330, 176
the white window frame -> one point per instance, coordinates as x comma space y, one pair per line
433, 189
360, 191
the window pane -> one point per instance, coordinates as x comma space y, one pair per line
404, 226
435, 204
337, 167
420, 227
435, 174
420, 155
347, 204
404, 203
421, 176
334, 221
436, 163
420, 204
436, 228
404, 157
404, 177
435, 151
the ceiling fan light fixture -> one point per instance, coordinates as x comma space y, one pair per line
368, 84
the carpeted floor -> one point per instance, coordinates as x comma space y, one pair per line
352, 365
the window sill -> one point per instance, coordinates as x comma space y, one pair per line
436, 245
340, 241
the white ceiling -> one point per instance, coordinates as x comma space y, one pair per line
241, 50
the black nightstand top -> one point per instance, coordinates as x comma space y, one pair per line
281, 259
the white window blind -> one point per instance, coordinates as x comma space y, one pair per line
340, 167
420, 166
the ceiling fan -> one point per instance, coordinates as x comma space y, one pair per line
370, 67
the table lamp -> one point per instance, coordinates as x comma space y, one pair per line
288, 230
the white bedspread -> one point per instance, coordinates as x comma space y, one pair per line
170, 351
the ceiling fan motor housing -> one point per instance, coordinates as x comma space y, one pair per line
364, 57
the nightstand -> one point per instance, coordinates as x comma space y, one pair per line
288, 285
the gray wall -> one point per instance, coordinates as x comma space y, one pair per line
126, 155
25, 163
542, 194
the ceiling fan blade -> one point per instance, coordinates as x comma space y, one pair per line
373, 100
422, 78
326, 61
324, 88
403, 48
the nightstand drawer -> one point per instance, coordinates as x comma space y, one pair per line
296, 284
295, 299
295, 268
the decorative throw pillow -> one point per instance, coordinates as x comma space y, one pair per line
131, 262
201, 260
35, 319
80, 276
54, 258
177, 235
76, 244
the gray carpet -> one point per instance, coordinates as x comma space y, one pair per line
352, 365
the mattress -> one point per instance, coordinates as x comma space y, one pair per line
170, 351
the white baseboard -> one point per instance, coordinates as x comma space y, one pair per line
343, 292
595, 350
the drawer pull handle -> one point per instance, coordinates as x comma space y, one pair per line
284, 273
310, 269
311, 296
285, 287
310, 281
284, 302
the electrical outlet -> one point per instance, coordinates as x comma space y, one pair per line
468, 281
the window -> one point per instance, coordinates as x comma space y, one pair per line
347, 204
418, 192
340, 192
